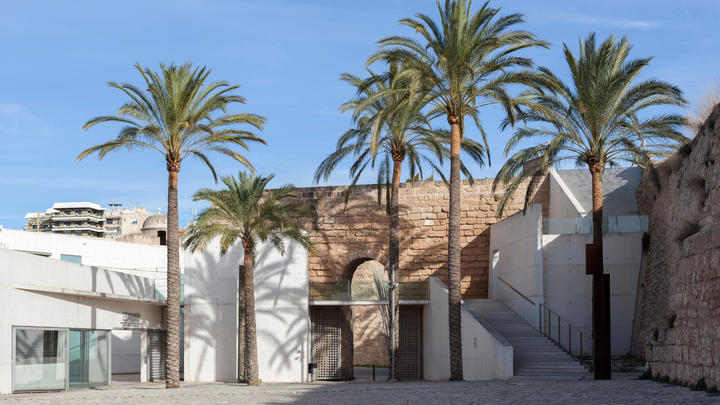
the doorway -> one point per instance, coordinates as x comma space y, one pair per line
88, 358
326, 341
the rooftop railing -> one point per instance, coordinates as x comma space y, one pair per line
365, 291
584, 225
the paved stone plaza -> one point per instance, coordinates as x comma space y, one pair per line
516, 391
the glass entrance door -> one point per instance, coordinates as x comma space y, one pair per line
89, 358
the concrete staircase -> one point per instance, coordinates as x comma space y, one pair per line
534, 355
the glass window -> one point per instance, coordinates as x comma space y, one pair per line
71, 258
40, 359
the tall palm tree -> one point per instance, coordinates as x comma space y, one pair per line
597, 119
243, 212
390, 129
178, 114
461, 63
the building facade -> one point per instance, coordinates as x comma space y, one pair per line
135, 225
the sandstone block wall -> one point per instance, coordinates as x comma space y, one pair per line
343, 237
677, 321
360, 231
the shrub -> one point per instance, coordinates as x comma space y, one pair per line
690, 228
700, 385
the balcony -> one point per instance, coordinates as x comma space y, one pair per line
60, 216
365, 293
78, 227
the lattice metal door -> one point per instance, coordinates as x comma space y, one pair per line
327, 342
409, 365
158, 355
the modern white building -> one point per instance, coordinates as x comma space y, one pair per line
537, 268
76, 310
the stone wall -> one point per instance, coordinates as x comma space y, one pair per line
345, 236
677, 327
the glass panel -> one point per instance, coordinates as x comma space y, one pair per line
40, 359
88, 358
77, 358
71, 258
97, 357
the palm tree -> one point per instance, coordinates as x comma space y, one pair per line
390, 128
596, 120
463, 62
245, 213
178, 115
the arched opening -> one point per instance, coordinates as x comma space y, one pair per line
369, 326
163, 240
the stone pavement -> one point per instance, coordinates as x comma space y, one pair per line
515, 391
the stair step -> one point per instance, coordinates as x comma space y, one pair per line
534, 355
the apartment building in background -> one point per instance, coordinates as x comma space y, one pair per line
135, 224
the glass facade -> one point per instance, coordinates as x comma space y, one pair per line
40, 359
88, 358
57, 359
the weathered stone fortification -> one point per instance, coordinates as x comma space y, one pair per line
677, 327
346, 237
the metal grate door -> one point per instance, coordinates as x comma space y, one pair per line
408, 357
157, 352
327, 344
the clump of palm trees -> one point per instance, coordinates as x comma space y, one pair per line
454, 67
466, 60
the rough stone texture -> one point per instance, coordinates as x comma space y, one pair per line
370, 346
514, 391
680, 278
342, 236
345, 237
368, 329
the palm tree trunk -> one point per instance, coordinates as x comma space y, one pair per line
600, 283
251, 367
454, 270
172, 367
395, 259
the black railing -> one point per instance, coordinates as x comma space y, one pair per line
551, 322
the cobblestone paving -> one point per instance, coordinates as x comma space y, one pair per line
516, 391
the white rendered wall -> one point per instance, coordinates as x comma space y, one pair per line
281, 306
126, 351
562, 204
568, 290
486, 354
44, 292
517, 257
133, 258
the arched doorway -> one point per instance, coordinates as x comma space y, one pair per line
369, 322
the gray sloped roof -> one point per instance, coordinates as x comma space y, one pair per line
619, 189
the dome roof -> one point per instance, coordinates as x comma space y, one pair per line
157, 221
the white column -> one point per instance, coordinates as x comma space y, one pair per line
144, 364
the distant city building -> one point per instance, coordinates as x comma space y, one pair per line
90, 219
69, 218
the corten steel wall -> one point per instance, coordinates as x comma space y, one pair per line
341, 236
361, 231
677, 326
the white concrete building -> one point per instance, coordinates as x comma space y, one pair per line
537, 268
75, 310
57, 320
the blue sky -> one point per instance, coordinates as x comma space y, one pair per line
56, 58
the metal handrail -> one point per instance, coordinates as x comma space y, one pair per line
516, 291
546, 317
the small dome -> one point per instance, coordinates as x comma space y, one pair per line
157, 221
